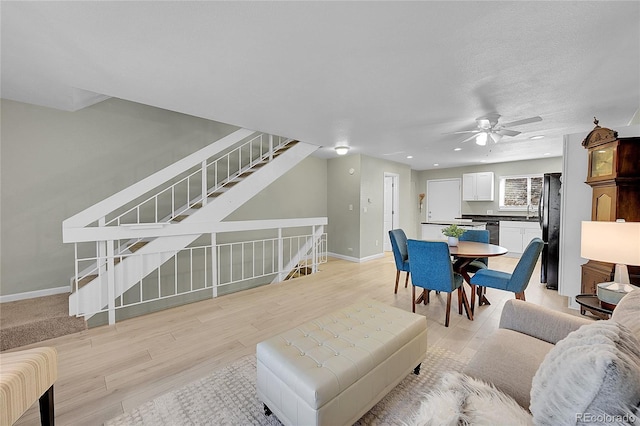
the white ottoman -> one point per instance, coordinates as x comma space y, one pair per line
332, 370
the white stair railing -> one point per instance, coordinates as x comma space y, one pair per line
122, 242
206, 267
207, 170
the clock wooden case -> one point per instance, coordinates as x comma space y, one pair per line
614, 174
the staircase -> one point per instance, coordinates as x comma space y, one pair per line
135, 238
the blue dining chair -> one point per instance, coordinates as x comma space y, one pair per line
400, 254
431, 269
478, 236
518, 280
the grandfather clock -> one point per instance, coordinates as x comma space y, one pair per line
614, 174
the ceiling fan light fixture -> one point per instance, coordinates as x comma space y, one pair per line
341, 150
495, 137
481, 139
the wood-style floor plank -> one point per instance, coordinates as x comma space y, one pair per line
107, 370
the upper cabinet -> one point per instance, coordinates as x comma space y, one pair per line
477, 186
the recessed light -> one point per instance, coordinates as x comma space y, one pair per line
409, 156
547, 153
537, 137
457, 149
436, 164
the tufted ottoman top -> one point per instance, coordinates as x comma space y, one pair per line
323, 357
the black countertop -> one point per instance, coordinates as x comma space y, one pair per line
457, 222
493, 218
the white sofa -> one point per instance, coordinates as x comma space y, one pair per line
547, 368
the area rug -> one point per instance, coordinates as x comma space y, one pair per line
228, 397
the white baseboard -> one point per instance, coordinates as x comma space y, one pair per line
33, 294
355, 259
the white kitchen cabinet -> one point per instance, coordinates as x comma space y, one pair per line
515, 236
477, 186
433, 231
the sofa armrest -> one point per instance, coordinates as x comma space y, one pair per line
539, 322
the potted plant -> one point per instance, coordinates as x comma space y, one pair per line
454, 232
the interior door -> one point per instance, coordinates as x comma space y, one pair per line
443, 200
391, 203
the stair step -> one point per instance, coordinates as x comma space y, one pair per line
180, 218
84, 281
29, 321
137, 246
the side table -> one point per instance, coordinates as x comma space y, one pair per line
591, 303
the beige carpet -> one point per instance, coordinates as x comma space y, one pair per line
228, 397
35, 320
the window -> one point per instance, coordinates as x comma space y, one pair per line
518, 192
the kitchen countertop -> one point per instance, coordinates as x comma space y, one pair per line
456, 222
494, 217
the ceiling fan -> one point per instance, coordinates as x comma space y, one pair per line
488, 127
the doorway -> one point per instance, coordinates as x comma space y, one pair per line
443, 200
391, 207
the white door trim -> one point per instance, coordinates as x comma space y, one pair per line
394, 207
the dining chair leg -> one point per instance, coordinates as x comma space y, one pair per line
473, 297
413, 298
397, 279
520, 295
406, 280
446, 321
465, 302
459, 301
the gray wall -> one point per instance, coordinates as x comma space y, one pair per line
359, 233
56, 163
546, 165
343, 190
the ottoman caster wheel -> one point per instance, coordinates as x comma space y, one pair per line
416, 370
267, 411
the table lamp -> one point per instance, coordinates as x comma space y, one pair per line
612, 242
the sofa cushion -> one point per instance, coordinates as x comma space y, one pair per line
463, 400
626, 312
595, 370
509, 360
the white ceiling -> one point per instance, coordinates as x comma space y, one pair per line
387, 78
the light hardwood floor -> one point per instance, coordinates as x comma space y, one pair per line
111, 369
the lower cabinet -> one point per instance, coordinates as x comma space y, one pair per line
515, 236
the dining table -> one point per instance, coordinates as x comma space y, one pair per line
465, 253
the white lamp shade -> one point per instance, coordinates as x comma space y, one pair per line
612, 242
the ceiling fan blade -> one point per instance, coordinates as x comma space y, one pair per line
507, 132
462, 132
523, 121
469, 138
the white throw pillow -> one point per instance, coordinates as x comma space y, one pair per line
594, 371
463, 400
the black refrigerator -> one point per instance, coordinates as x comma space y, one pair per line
549, 216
